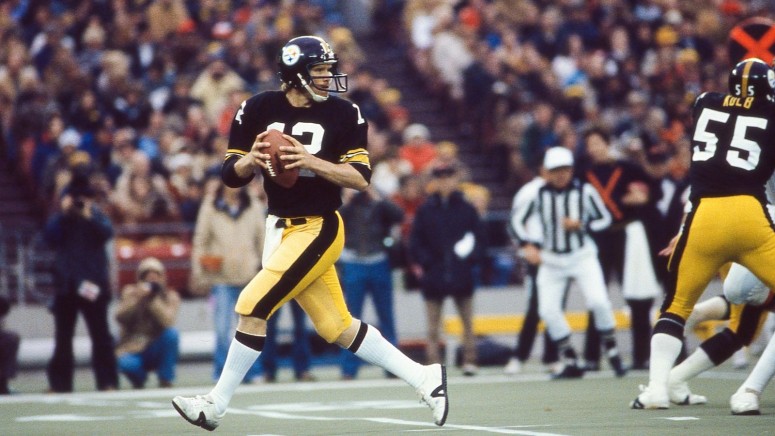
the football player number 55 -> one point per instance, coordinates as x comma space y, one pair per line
739, 141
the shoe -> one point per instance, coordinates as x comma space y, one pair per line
199, 410
616, 363
433, 392
569, 371
590, 366
648, 399
681, 395
745, 403
513, 367
470, 370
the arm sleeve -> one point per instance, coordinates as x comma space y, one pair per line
240, 142
597, 215
355, 142
525, 222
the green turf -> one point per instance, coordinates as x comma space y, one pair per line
490, 403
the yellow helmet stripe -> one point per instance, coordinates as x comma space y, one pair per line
744, 83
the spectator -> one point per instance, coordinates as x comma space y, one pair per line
388, 173
226, 253
624, 249
538, 136
365, 264
213, 87
417, 149
409, 198
444, 249
79, 233
146, 314
9, 349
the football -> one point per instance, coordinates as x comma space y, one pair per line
275, 170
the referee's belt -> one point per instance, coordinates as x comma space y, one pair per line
284, 223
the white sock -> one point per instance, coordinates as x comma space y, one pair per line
763, 371
697, 363
376, 350
238, 361
664, 350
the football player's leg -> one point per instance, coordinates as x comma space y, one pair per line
324, 302
694, 264
742, 287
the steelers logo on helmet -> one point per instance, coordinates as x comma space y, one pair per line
291, 54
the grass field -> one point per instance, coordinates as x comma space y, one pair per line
490, 403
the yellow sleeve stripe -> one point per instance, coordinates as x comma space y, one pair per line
234, 152
359, 155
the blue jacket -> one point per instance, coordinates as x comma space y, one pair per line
81, 250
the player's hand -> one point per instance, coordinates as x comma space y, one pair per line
296, 155
255, 159
668, 251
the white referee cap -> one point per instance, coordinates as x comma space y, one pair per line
557, 157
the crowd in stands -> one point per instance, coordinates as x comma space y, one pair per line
546, 71
141, 94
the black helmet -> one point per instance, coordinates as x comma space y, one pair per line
299, 55
752, 77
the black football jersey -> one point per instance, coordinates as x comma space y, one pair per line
333, 130
733, 146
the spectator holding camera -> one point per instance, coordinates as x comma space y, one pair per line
146, 313
79, 233
9, 348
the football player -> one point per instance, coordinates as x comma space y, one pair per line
732, 158
305, 234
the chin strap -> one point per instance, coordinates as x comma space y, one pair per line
315, 97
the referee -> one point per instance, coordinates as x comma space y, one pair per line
554, 230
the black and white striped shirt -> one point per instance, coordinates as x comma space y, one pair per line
547, 209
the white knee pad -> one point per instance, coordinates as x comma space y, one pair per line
742, 287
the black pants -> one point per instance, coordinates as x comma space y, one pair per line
529, 329
61, 367
9, 351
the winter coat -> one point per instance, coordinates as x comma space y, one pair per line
438, 228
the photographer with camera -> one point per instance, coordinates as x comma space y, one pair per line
79, 233
146, 313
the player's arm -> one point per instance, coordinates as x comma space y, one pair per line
244, 155
353, 168
350, 172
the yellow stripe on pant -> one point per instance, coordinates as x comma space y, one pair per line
720, 230
302, 267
